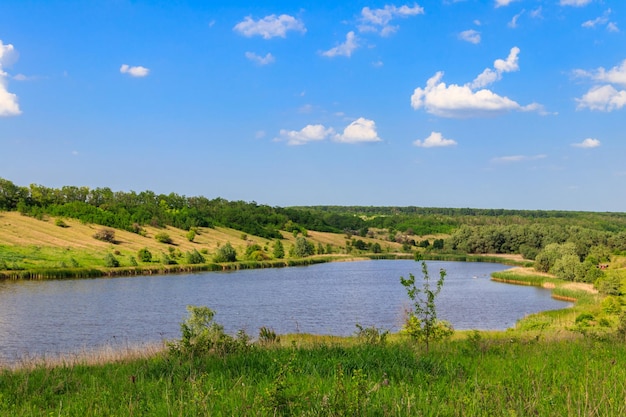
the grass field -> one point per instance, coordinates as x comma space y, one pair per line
30, 244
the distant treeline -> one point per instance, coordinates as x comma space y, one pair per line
131, 210
469, 230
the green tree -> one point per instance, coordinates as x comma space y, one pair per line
422, 324
278, 249
144, 255
225, 253
303, 248
191, 235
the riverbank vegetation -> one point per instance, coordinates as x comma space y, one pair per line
475, 373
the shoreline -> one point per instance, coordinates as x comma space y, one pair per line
148, 270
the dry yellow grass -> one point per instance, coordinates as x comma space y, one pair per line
44, 236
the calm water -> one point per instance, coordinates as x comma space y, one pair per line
55, 317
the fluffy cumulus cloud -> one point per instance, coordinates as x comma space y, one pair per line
270, 26
575, 3
587, 143
260, 60
471, 99
471, 36
435, 140
360, 131
137, 71
310, 133
344, 49
604, 96
8, 101
378, 20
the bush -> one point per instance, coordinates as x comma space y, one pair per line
194, 257
60, 223
225, 253
201, 335
111, 261
191, 235
163, 238
144, 255
105, 235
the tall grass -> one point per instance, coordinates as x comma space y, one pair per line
474, 377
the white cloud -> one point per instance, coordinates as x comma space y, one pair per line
511, 63
137, 71
344, 49
435, 139
616, 75
360, 131
470, 99
601, 21
8, 101
513, 23
459, 101
310, 133
377, 20
260, 60
575, 3
597, 21
517, 158
471, 36
587, 143
603, 98
501, 3
270, 26
536, 14
489, 76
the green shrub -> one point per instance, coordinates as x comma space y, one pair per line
201, 335
60, 223
144, 255
194, 257
163, 238
225, 253
191, 235
111, 261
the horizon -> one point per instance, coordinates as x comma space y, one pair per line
499, 104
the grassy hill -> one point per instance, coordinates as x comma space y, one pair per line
27, 243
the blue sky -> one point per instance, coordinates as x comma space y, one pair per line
515, 104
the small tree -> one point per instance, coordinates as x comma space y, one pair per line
422, 323
225, 253
191, 235
278, 249
144, 255
105, 235
303, 248
194, 257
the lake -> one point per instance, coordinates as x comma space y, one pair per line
64, 316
